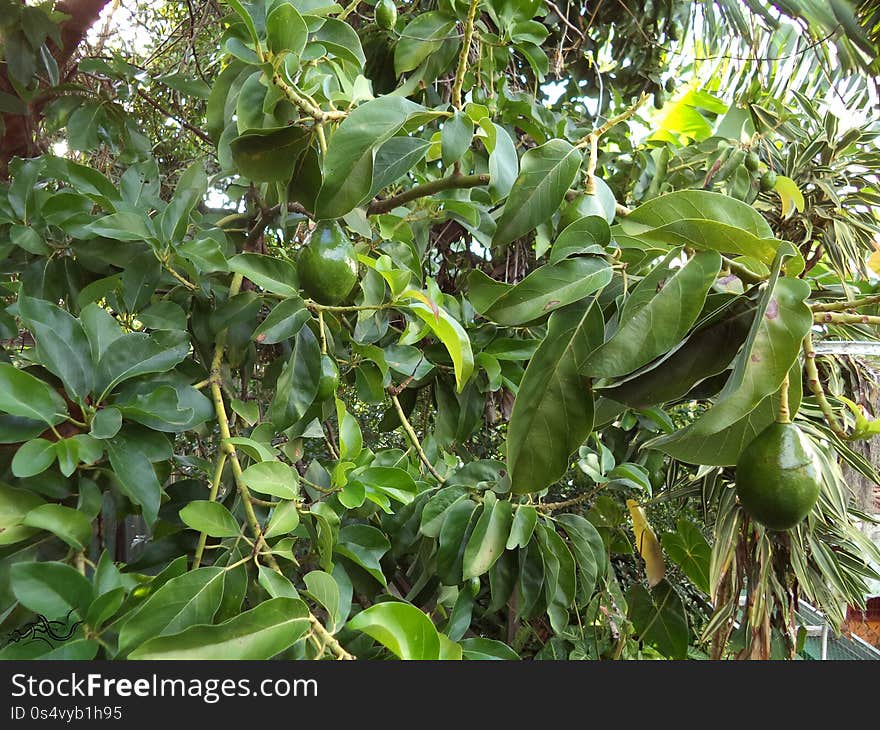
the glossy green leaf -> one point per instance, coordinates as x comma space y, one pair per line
190, 189
688, 549
394, 159
212, 518
123, 226
365, 546
283, 322
588, 551
50, 588
323, 588
286, 31
545, 290
481, 649
436, 510
487, 541
456, 137
773, 345
546, 174
62, 345
276, 584
524, 520
553, 411
452, 335
273, 274
69, 524
659, 618
403, 629
135, 476
421, 37
656, 315
272, 477
348, 166
284, 520
452, 541
297, 384
21, 394
33, 457
503, 164
271, 154
185, 601
138, 353
588, 235
560, 583
258, 634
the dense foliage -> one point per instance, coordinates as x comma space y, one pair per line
432, 330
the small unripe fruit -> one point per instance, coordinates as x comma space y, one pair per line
768, 181
386, 14
753, 161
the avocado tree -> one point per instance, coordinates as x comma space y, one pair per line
456, 329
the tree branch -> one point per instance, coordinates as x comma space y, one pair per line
421, 191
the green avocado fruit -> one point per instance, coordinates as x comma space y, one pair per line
768, 181
327, 265
329, 379
753, 162
778, 477
386, 14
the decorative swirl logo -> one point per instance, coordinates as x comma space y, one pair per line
42, 629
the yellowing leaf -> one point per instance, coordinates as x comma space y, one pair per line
791, 195
647, 543
874, 262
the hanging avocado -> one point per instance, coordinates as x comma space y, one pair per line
327, 265
329, 379
386, 14
778, 477
768, 181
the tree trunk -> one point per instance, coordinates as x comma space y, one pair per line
20, 136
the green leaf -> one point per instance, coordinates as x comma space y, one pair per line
401, 628
21, 394
138, 353
62, 345
560, 583
688, 549
286, 30
258, 634
273, 274
212, 518
421, 37
340, 39
284, 520
351, 440
189, 191
33, 457
348, 166
297, 384
481, 649
588, 235
781, 322
546, 174
323, 588
437, 508
14, 506
123, 227
283, 322
135, 475
454, 533
790, 194
588, 551
545, 290
394, 159
657, 315
659, 618
188, 600
365, 546
456, 137
49, 588
524, 520
503, 164
276, 584
270, 154
707, 351
452, 335
69, 524
487, 541
553, 411
272, 477
242, 13
100, 327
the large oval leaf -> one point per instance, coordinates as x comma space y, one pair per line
553, 411
49, 588
489, 537
453, 337
659, 618
657, 315
348, 166
401, 628
545, 290
258, 634
23, 395
546, 174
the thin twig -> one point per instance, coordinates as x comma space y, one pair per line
414, 439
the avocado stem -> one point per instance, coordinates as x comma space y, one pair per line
783, 415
